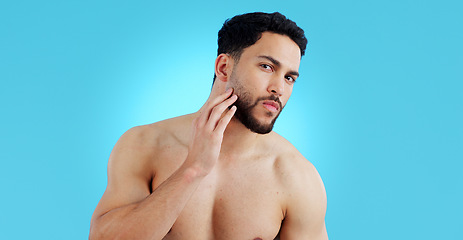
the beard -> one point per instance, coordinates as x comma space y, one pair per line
244, 106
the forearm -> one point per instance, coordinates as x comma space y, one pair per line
152, 217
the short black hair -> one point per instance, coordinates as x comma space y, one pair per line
244, 30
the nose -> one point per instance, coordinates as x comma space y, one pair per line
277, 86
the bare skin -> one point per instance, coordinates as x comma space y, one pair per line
206, 176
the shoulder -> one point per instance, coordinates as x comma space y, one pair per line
139, 146
288, 159
304, 198
147, 137
130, 156
137, 140
298, 176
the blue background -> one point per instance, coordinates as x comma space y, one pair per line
378, 108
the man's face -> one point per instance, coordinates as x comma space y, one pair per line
263, 79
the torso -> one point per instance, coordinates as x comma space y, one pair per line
243, 197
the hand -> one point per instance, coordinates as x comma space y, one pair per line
208, 131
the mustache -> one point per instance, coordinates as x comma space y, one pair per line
272, 98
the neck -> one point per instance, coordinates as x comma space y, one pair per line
237, 138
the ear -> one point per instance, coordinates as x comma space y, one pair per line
223, 67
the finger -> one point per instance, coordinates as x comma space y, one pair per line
223, 123
220, 98
216, 101
208, 106
218, 111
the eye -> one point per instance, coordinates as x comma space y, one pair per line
266, 67
290, 79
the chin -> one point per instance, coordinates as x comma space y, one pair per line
257, 122
261, 127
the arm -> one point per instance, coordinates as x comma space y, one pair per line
306, 209
127, 210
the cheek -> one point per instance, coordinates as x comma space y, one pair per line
285, 98
290, 90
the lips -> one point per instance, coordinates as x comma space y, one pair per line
272, 106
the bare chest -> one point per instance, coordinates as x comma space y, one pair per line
240, 202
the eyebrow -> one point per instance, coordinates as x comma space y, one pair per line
278, 64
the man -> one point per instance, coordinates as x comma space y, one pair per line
221, 173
